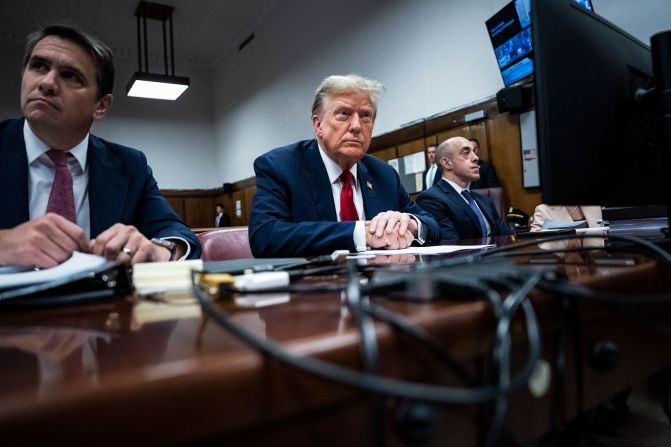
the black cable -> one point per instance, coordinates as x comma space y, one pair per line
662, 254
443, 395
423, 337
368, 343
516, 299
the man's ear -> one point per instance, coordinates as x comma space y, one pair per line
445, 163
102, 106
316, 125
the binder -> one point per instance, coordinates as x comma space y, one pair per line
108, 280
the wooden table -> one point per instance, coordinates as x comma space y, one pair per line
128, 371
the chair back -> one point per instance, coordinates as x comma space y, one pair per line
495, 194
224, 244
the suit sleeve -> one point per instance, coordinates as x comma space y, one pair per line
155, 217
438, 209
272, 230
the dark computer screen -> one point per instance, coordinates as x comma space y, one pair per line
510, 33
596, 142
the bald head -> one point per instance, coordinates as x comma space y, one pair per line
458, 161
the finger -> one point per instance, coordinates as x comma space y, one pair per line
372, 225
131, 243
383, 218
145, 253
391, 222
404, 222
67, 234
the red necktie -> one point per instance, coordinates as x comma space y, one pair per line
61, 197
347, 208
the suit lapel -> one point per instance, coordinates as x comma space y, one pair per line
459, 202
13, 176
317, 179
371, 204
108, 187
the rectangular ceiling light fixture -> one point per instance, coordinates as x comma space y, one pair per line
152, 85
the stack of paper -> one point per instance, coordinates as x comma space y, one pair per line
160, 277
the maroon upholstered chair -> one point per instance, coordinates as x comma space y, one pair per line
495, 194
226, 243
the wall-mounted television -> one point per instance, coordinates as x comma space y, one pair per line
510, 33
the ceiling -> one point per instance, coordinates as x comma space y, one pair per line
205, 31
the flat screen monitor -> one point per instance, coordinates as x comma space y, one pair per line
596, 142
510, 33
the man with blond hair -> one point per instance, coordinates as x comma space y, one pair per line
320, 195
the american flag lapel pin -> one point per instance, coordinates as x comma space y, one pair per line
370, 185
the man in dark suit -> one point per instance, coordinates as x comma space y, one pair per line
460, 213
432, 174
317, 196
221, 219
65, 190
487, 172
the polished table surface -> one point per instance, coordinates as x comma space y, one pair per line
153, 370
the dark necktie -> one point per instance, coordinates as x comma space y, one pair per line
471, 202
61, 197
347, 208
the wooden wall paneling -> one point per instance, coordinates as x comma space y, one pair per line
248, 195
235, 219
505, 145
177, 204
386, 154
199, 211
411, 147
454, 132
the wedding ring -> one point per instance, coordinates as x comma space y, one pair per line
127, 251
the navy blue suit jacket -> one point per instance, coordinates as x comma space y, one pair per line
293, 213
121, 188
455, 217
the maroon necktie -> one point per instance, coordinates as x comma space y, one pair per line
61, 197
347, 208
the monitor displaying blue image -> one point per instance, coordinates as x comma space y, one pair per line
510, 33
587, 4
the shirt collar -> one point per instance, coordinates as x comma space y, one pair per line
36, 147
456, 187
332, 168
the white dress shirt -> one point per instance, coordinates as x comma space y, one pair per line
334, 171
41, 175
430, 174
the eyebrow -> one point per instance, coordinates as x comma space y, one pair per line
72, 68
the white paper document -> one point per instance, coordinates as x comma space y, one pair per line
431, 250
78, 262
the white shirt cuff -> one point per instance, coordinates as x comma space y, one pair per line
360, 235
188, 246
419, 238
